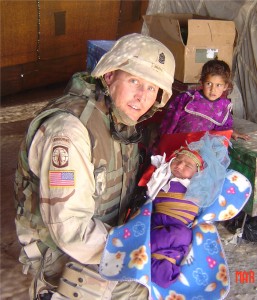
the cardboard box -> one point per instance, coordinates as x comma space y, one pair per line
193, 41
95, 50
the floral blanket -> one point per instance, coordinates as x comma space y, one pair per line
204, 271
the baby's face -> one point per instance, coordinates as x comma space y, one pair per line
183, 166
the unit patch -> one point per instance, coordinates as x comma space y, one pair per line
61, 178
60, 156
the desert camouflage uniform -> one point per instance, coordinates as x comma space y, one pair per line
86, 178
92, 195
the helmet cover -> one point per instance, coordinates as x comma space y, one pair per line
141, 56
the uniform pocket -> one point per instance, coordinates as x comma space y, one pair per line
100, 181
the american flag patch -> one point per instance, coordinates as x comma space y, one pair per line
61, 178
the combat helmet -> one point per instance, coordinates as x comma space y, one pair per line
145, 57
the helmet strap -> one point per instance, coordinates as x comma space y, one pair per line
121, 134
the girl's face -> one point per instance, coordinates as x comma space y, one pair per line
214, 86
183, 166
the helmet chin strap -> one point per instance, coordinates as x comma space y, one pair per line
117, 126
119, 120
120, 135
121, 117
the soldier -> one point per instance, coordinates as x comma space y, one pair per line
77, 166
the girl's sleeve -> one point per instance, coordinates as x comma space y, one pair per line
173, 114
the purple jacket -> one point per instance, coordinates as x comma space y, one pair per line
191, 112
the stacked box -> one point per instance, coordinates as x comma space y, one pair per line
95, 50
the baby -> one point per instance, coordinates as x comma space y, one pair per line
179, 187
170, 234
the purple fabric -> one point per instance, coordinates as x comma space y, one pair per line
171, 240
162, 219
181, 114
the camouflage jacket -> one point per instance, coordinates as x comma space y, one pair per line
73, 180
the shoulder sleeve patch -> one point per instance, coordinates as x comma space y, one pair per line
60, 156
61, 178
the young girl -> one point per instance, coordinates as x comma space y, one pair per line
206, 109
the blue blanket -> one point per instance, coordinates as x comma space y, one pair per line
204, 271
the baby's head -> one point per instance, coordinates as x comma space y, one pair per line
212, 163
186, 163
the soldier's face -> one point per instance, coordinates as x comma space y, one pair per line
131, 94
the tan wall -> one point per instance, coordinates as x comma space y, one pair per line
36, 52
131, 16
18, 32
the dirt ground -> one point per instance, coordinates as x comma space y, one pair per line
16, 112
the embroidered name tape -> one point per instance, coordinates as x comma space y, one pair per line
61, 178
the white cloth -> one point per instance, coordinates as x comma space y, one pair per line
162, 176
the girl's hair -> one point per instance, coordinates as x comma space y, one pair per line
216, 67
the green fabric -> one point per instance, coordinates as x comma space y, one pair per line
244, 161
